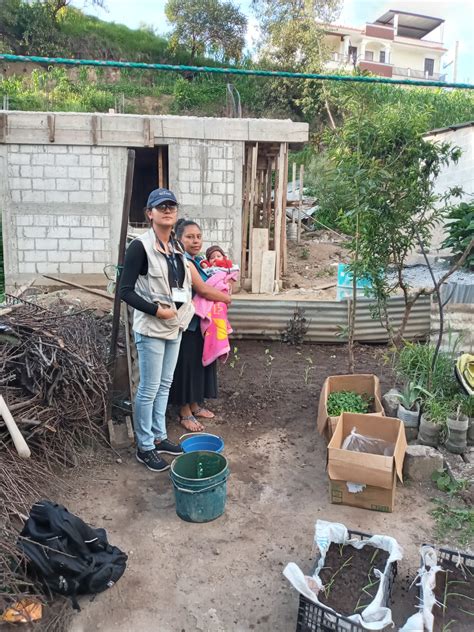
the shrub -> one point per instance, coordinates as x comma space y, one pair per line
461, 231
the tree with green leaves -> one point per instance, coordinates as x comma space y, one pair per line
292, 38
215, 28
33, 28
387, 170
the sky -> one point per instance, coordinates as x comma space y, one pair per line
459, 16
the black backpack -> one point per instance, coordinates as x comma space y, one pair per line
67, 555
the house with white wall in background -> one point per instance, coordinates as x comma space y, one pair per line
395, 45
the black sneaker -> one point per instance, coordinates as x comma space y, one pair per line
168, 447
152, 460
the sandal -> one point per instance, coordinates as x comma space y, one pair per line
203, 413
191, 423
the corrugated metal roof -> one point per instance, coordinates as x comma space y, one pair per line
267, 319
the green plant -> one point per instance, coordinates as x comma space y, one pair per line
304, 252
453, 522
234, 358
414, 363
460, 228
409, 398
296, 328
308, 370
446, 483
347, 401
437, 410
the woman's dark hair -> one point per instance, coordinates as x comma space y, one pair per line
181, 224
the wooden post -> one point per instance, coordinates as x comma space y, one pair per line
300, 206
293, 187
268, 209
279, 210
161, 170
246, 210
284, 253
253, 182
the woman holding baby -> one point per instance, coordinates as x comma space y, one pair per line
193, 382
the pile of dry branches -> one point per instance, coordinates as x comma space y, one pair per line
53, 374
54, 379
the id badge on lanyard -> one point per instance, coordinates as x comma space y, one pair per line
180, 295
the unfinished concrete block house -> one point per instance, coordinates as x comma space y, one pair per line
62, 179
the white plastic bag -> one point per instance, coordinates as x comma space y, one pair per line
424, 619
374, 616
361, 443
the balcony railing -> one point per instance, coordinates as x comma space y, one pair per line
342, 58
418, 74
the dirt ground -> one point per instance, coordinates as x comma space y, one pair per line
226, 576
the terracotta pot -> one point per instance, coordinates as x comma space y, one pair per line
428, 433
456, 441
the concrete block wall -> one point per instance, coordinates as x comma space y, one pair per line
61, 208
207, 179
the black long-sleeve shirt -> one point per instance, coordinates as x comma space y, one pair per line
136, 263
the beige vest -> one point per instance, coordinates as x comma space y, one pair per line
154, 287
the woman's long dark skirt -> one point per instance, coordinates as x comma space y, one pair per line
192, 382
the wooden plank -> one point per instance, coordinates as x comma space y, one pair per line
300, 205
279, 221
293, 184
253, 177
268, 209
259, 247
267, 277
161, 169
284, 249
246, 210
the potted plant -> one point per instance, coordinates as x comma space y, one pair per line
457, 427
408, 409
433, 419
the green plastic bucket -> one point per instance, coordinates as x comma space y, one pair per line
200, 485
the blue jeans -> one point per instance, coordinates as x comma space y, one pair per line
156, 361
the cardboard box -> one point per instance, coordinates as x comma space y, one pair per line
362, 383
378, 473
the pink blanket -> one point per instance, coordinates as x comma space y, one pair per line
215, 326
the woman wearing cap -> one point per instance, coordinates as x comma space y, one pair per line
156, 281
192, 382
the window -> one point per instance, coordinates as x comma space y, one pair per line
353, 54
429, 67
369, 55
382, 57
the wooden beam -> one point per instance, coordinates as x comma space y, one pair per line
283, 247
253, 176
279, 220
161, 168
300, 205
246, 209
259, 247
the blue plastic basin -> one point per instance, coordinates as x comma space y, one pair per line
202, 442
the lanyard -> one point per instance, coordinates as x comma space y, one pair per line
171, 258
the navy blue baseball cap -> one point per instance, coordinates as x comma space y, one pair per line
158, 196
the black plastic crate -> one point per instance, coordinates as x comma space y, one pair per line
317, 618
450, 556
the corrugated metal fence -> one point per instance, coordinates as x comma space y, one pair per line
268, 318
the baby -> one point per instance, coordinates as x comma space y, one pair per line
216, 260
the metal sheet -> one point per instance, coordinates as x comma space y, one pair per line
268, 318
